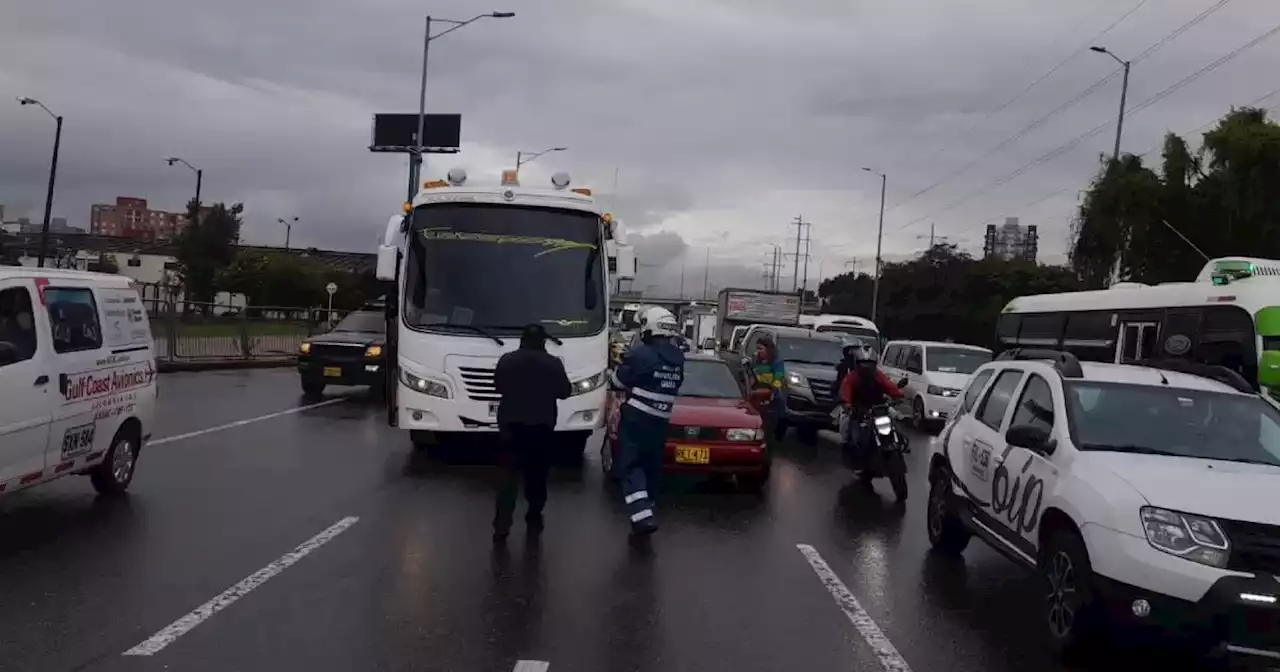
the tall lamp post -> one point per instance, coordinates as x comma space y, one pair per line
173, 160
53, 176
415, 159
288, 230
525, 157
1124, 93
875, 283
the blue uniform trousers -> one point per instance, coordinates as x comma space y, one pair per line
641, 437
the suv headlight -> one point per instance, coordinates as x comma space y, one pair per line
433, 388
1196, 538
304, 348
796, 380
744, 434
588, 384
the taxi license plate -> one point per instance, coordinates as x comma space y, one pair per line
693, 455
332, 372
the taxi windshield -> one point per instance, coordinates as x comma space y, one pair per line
1171, 421
709, 379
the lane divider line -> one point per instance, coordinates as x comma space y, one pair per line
246, 421
200, 614
531, 666
890, 659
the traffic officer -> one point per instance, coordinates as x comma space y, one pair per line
651, 373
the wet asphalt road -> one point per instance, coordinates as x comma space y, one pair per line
414, 583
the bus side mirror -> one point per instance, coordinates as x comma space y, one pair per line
386, 269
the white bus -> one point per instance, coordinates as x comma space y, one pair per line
472, 264
1229, 316
858, 329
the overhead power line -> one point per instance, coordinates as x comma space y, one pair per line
1063, 148
1188, 25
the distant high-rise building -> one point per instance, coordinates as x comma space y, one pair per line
1012, 240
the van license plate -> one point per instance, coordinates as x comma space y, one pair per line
693, 455
332, 372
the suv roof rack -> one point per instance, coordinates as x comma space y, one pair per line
1065, 362
1213, 372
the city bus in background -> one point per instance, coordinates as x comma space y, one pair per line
1229, 316
854, 329
470, 264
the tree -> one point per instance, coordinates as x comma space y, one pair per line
287, 280
1138, 225
206, 246
944, 294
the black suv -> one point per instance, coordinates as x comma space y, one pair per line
810, 359
352, 353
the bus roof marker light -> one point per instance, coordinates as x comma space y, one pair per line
560, 180
457, 175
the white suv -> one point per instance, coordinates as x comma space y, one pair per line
1145, 496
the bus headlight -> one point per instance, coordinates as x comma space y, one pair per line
433, 388
586, 385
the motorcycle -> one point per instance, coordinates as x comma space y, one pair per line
887, 457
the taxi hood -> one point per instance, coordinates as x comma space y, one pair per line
1215, 488
706, 412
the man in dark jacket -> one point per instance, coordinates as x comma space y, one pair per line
651, 373
530, 381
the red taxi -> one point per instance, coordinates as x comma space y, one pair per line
714, 430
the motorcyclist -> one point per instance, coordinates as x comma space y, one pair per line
864, 387
651, 373
849, 357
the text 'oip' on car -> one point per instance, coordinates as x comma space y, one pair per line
1147, 497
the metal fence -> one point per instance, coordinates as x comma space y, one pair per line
212, 331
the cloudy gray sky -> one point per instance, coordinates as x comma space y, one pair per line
722, 119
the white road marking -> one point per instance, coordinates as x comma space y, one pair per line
228, 597
241, 423
531, 666
889, 657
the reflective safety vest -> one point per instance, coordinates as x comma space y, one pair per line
653, 375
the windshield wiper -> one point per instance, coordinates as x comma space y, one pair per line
470, 327
1131, 448
504, 327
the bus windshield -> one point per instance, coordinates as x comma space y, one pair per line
501, 267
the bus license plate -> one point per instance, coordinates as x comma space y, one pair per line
332, 372
693, 455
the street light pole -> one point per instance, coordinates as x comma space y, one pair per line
415, 159
53, 177
1124, 94
174, 160
875, 283
526, 157
288, 230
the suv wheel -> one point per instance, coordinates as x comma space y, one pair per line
946, 533
1070, 612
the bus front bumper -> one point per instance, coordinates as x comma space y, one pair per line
425, 413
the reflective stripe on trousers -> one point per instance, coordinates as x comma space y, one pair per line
641, 437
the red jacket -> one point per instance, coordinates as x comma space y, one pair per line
850, 383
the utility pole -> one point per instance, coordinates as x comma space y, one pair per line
799, 223
804, 283
706, 274
933, 238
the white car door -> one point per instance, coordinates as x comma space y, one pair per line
986, 452
956, 439
1024, 475
26, 384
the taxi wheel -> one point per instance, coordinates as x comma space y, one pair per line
1069, 612
115, 473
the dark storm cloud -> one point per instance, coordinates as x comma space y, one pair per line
726, 116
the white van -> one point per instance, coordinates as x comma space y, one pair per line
77, 377
936, 373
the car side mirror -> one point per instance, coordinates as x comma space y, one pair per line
904, 382
8, 353
1030, 437
386, 263
746, 363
